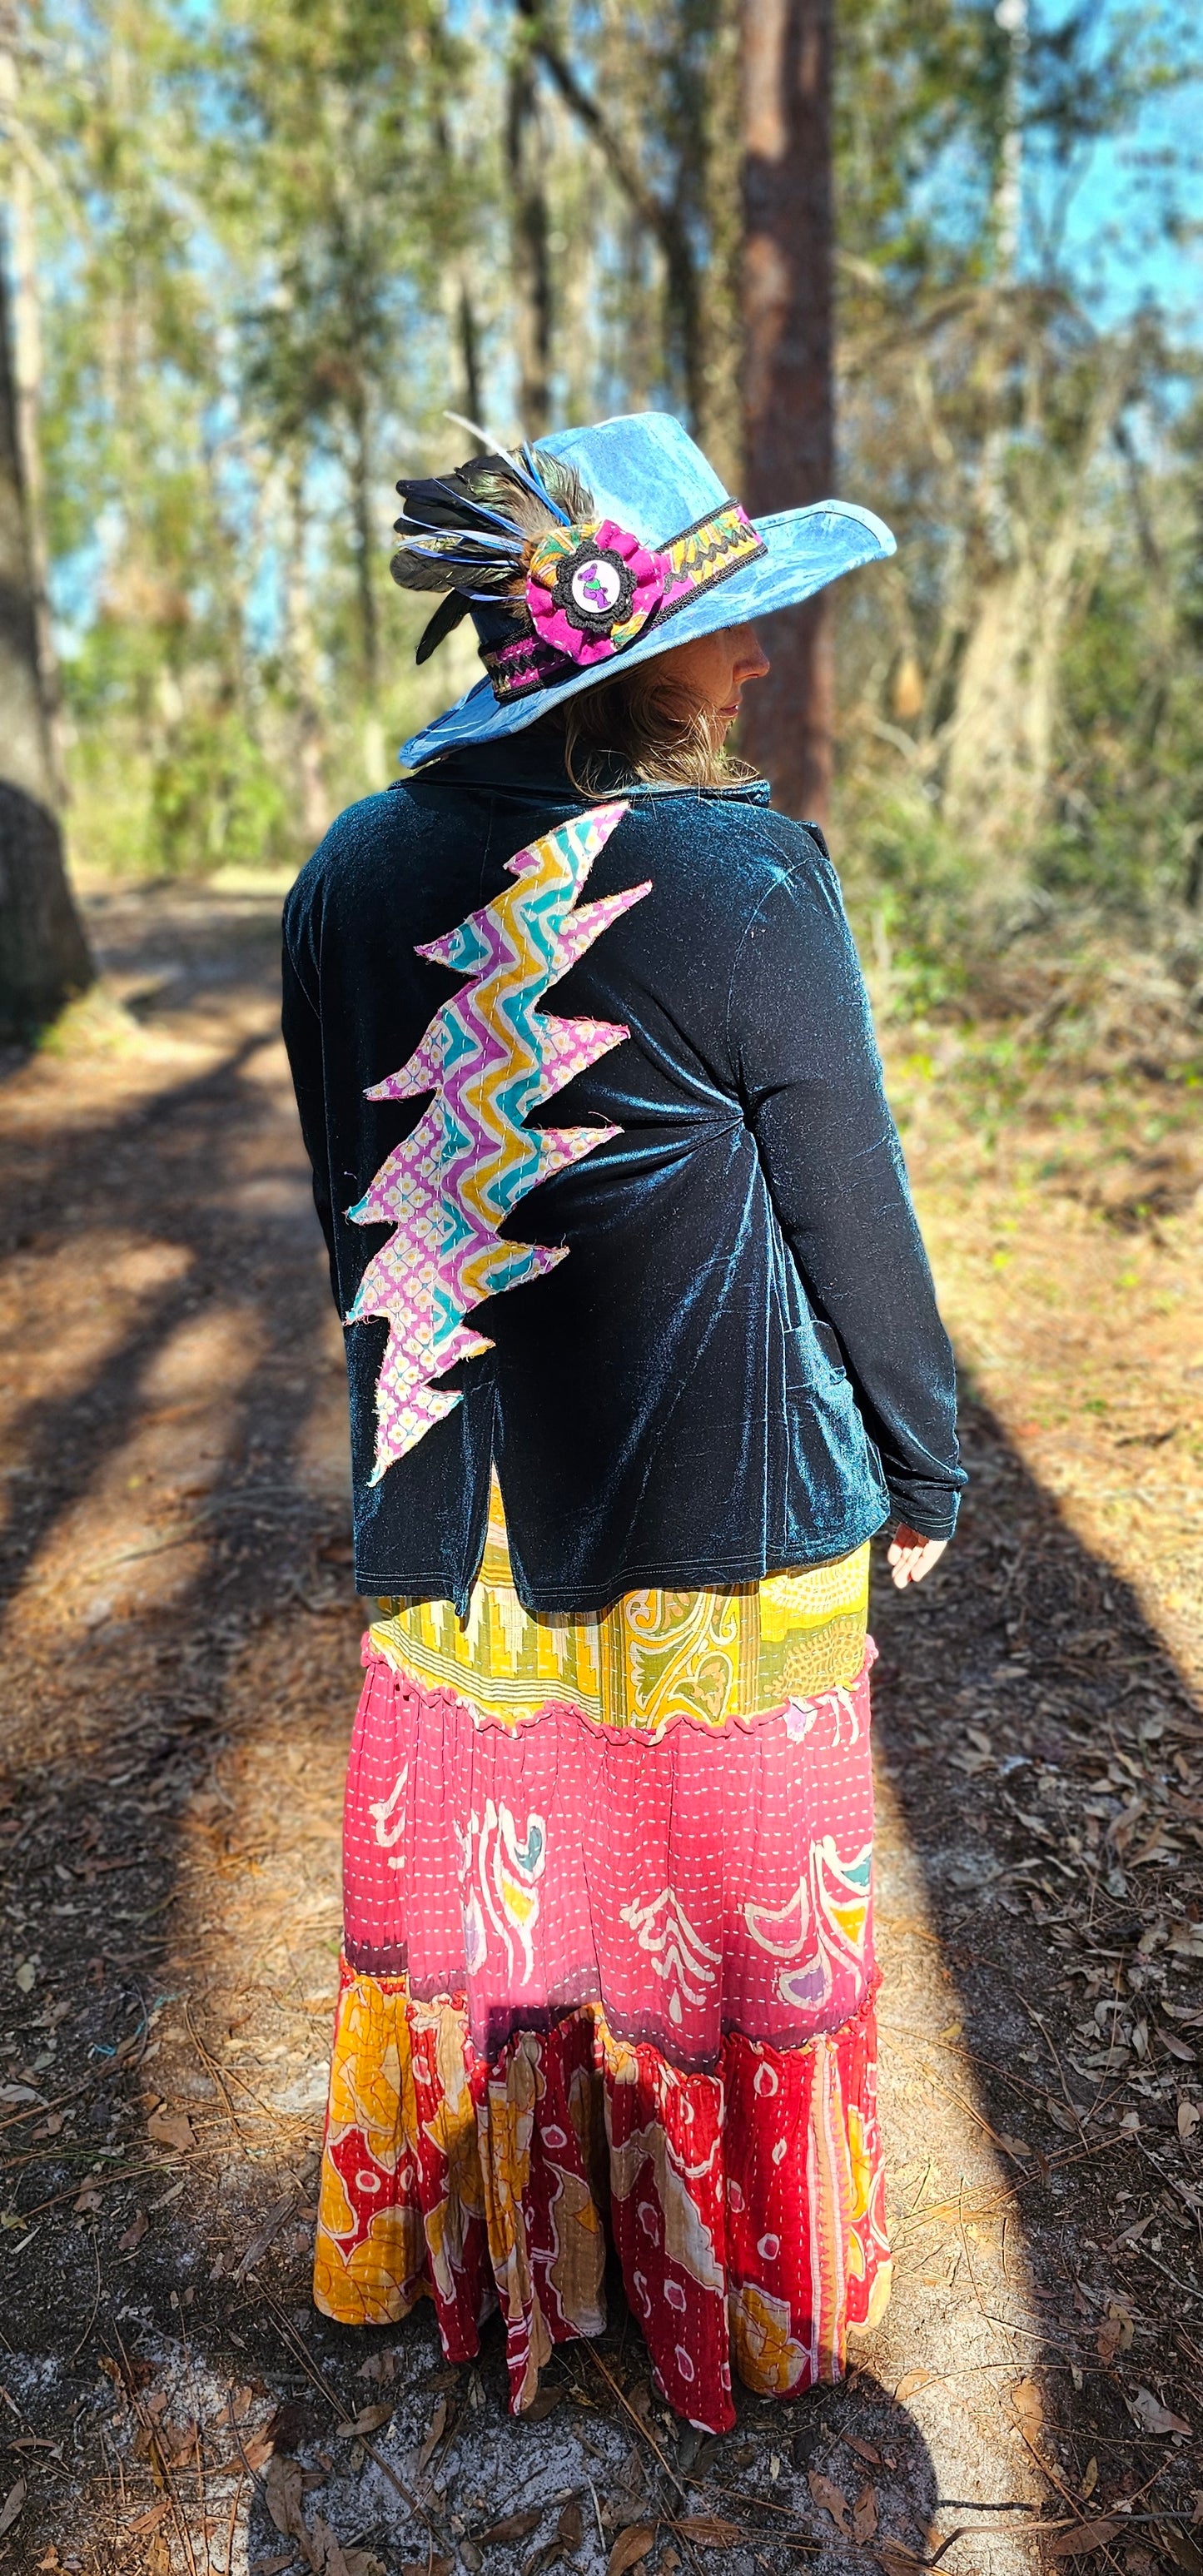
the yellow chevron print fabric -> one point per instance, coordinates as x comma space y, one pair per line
654, 1657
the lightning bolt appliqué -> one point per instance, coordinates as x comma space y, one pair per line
489, 1056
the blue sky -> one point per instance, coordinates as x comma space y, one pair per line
1116, 237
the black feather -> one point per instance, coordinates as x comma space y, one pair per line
443, 623
470, 532
445, 559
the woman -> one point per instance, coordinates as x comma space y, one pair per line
642, 1348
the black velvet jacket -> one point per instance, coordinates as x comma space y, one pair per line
740, 1367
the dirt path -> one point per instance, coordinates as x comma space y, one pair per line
178, 1660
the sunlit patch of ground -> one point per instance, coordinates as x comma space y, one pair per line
1078, 1317
179, 1663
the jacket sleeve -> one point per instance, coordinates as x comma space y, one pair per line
809, 1075
301, 1024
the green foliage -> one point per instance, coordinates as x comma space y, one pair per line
1126, 817
215, 800
278, 238
912, 895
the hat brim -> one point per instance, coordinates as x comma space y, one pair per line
806, 550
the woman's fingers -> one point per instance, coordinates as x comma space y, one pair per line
911, 1556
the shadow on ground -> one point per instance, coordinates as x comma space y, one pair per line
179, 1666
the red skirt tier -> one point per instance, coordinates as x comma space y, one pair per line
601, 1986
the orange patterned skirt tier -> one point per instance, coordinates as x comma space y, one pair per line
608, 1974
746, 2205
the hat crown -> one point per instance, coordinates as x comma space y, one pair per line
644, 471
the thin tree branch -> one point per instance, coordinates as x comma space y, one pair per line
660, 215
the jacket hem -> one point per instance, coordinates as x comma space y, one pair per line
707, 1573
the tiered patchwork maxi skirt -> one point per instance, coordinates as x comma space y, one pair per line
608, 1977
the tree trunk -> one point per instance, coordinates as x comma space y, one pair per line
531, 227
789, 428
468, 332
44, 955
27, 380
301, 656
1000, 737
365, 541
685, 321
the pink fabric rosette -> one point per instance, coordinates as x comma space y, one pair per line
591, 589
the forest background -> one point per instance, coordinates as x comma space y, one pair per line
258, 248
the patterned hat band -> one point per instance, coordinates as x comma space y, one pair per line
592, 588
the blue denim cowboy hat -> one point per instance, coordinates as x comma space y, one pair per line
653, 489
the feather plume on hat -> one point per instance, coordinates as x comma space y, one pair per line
472, 532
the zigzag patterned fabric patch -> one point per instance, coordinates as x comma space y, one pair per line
489, 1057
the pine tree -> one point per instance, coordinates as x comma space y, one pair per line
44, 956
789, 430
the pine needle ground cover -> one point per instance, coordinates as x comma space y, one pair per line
180, 1665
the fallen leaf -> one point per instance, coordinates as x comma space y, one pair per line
274, 2566
379, 2366
1179, 2546
1090, 2478
171, 2129
256, 2449
332, 2556
89, 2199
864, 2450
570, 2529
1015, 2146
259, 2243
897, 2559
183, 2447
1155, 2418
282, 2494
1027, 2407
147, 2522
129, 2243
543, 2404
1082, 2539
15, 2499
864, 2515
427, 2567
434, 2431
1189, 2116
831, 2499
1114, 2335
513, 2526
630, 2546
26, 1978
910, 2385
297, 2420
709, 2531
370, 2419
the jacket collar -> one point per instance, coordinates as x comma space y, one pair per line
531, 765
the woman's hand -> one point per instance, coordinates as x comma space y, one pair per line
911, 1557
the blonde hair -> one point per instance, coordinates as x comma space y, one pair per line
649, 726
